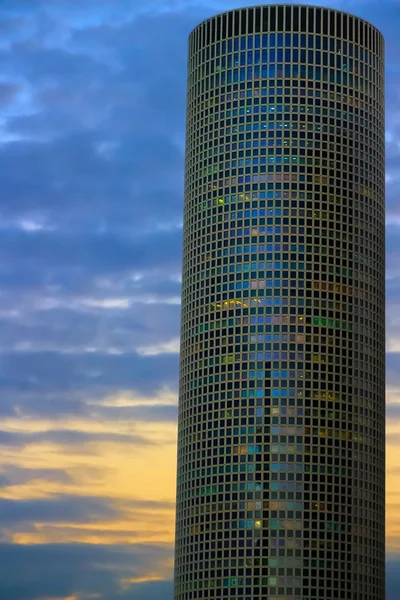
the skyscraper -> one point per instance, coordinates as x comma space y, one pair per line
281, 449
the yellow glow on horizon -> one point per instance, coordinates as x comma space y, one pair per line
89, 425
141, 579
122, 471
71, 597
53, 537
393, 477
136, 474
130, 474
126, 399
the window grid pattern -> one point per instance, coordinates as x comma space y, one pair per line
281, 440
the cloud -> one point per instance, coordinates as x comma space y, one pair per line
70, 439
155, 413
92, 115
393, 411
171, 347
11, 475
393, 439
44, 372
392, 578
8, 93
67, 508
76, 569
152, 590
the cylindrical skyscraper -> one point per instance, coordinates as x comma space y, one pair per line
281, 450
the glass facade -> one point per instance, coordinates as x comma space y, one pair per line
281, 443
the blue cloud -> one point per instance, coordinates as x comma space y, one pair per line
25, 572
66, 508
392, 578
43, 372
13, 475
92, 105
152, 590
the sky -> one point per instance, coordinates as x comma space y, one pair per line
92, 125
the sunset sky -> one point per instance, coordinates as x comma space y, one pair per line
92, 121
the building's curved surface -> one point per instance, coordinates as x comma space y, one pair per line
281, 419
